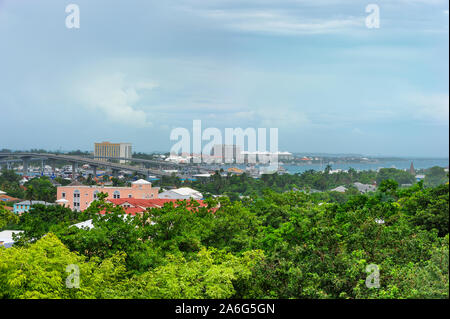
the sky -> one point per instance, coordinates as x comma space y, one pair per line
135, 70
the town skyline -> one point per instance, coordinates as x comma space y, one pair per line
312, 69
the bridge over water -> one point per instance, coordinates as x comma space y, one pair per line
25, 158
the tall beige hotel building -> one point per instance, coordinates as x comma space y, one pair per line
112, 150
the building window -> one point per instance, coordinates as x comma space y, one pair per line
76, 199
63, 195
116, 194
96, 195
129, 195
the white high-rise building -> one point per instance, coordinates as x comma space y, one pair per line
229, 153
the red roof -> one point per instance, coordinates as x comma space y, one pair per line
147, 203
8, 198
134, 210
141, 205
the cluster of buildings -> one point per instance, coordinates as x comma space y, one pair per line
19, 207
231, 153
133, 206
362, 188
79, 197
136, 199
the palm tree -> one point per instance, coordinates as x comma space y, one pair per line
29, 194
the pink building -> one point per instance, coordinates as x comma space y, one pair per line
79, 197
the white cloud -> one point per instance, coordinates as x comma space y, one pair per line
115, 98
277, 117
146, 85
281, 22
357, 131
431, 107
287, 27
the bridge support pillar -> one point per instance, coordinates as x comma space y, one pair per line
74, 170
42, 166
26, 161
53, 164
115, 172
94, 171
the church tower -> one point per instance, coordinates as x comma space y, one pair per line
412, 170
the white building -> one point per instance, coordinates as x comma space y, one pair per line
364, 188
340, 189
227, 153
181, 193
178, 159
87, 224
265, 157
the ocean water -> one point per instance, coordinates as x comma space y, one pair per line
399, 164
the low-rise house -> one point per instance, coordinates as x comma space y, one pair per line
23, 207
235, 170
6, 198
181, 193
80, 197
87, 224
364, 188
340, 189
204, 175
420, 177
11, 209
135, 206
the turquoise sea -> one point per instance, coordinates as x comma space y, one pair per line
419, 163
399, 164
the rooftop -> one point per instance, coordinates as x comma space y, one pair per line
141, 182
141, 205
341, 189
86, 224
7, 198
185, 191
34, 202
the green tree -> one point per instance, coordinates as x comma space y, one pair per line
39, 271
435, 176
6, 217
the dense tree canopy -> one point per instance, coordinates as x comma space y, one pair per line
274, 245
235, 186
